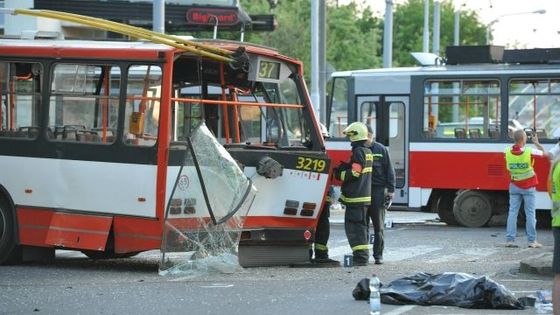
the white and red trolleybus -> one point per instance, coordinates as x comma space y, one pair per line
447, 127
87, 145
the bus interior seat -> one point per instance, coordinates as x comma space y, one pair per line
87, 136
460, 133
493, 133
28, 131
474, 133
541, 133
429, 134
67, 132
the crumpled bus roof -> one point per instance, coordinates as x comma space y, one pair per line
134, 49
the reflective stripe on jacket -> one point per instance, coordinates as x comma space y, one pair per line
520, 166
554, 192
356, 176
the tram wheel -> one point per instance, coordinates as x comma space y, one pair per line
444, 208
472, 208
10, 252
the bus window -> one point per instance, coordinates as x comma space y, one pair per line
143, 93
535, 104
461, 109
20, 90
241, 124
84, 103
338, 118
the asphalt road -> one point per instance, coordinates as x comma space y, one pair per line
73, 284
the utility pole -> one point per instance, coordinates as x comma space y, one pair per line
388, 35
435, 40
315, 55
322, 61
456, 30
158, 16
426, 33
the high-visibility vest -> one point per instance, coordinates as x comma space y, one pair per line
554, 192
520, 167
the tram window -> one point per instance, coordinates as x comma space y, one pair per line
368, 114
535, 104
84, 103
338, 107
20, 87
143, 95
461, 109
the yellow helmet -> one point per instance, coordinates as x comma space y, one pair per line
356, 131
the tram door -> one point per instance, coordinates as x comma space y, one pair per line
387, 116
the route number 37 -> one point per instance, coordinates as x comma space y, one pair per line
309, 164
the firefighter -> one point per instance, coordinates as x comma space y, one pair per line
383, 179
356, 191
323, 229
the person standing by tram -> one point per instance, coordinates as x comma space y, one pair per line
356, 191
519, 163
382, 192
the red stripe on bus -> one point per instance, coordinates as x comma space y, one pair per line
466, 170
136, 234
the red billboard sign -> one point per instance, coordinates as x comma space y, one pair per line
205, 16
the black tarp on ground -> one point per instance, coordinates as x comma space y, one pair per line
450, 289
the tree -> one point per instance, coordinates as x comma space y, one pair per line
408, 29
352, 36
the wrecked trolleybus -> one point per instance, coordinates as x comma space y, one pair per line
96, 142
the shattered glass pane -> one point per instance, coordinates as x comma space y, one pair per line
206, 210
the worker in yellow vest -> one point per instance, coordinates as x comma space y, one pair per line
554, 192
519, 163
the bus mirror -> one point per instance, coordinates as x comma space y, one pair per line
136, 125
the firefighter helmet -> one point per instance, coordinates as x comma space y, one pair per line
356, 131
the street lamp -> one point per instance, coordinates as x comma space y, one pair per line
494, 21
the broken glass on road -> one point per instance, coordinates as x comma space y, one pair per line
206, 210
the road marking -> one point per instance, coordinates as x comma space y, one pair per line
217, 285
531, 291
521, 280
401, 253
400, 310
472, 254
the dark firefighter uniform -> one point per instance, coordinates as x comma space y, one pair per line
323, 230
383, 177
356, 191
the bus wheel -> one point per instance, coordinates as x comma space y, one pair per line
10, 252
472, 208
445, 208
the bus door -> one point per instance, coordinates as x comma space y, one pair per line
386, 115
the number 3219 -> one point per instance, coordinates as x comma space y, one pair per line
309, 164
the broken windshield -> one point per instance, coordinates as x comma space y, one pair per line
242, 112
207, 207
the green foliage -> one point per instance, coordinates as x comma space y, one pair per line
354, 35
408, 25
